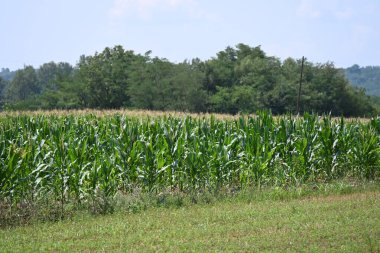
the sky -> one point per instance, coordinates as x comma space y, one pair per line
344, 32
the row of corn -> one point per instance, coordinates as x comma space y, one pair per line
73, 157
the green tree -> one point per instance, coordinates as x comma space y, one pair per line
104, 77
2, 86
221, 70
161, 85
150, 86
24, 85
286, 91
66, 96
326, 90
2, 89
263, 74
186, 88
50, 74
140, 90
234, 100
244, 66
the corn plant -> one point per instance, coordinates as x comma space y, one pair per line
77, 157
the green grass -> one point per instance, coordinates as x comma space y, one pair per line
336, 222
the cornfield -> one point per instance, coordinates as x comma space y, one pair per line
74, 157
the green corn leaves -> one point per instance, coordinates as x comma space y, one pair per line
76, 157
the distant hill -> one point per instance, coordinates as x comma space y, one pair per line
365, 77
6, 74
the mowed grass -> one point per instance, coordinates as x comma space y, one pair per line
333, 223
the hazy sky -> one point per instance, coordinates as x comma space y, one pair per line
34, 32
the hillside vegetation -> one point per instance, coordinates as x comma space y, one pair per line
367, 78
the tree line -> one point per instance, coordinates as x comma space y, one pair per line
240, 79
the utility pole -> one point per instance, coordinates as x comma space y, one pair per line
299, 89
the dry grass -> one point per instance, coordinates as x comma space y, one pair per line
126, 112
137, 113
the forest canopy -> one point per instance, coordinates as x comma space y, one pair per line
240, 79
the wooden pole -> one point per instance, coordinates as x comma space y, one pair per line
300, 87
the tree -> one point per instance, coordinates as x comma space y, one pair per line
2, 89
49, 74
104, 77
141, 90
221, 70
234, 100
150, 83
186, 88
67, 95
2, 86
161, 85
286, 91
244, 66
263, 74
24, 85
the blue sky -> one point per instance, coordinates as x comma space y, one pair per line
34, 32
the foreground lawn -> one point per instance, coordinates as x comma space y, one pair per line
335, 223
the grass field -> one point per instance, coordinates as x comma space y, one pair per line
331, 222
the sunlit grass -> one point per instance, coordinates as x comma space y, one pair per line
333, 223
